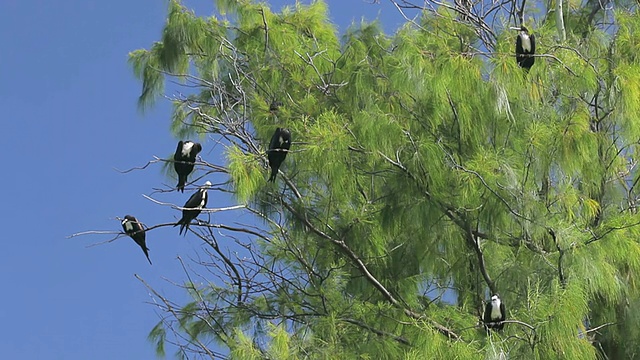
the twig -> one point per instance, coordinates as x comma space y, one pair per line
94, 232
399, 339
599, 327
157, 159
205, 210
177, 315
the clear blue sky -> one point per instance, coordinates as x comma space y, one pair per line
69, 117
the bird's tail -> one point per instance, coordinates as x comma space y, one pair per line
184, 227
146, 253
274, 172
181, 182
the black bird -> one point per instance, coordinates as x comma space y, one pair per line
133, 228
184, 159
525, 47
494, 313
278, 149
193, 207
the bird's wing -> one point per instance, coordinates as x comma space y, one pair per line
487, 313
532, 39
178, 153
274, 139
519, 49
197, 147
503, 312
193, 201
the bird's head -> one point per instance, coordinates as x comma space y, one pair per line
495, 299
522, 28
207, 185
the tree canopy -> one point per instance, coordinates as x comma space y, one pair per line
427, 172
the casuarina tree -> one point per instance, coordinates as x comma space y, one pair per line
428, 172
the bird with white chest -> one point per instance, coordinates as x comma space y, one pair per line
184, 161
193, 207
134, 229
495, 313
525, 48
278, 149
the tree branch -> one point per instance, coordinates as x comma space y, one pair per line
399, 339
367, 274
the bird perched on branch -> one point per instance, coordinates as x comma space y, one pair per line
133, 228
184, 159
525, 48
495, 313
278, 149
193, 207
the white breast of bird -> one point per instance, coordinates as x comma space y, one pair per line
204, 199
526, 42
495, 309
127, 224
186, 148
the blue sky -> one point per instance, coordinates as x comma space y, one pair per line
69, 117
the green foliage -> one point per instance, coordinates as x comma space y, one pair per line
158, 335
245, 173
424, 175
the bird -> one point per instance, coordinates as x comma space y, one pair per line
184, 159
495, 313
193, 207
525, 48
133, 228
278, 149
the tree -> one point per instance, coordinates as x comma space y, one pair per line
427, 172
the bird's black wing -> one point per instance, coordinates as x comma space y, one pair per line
178, 155
519, 49
532, 39
503, 312
193, 201
273, 144
487, 313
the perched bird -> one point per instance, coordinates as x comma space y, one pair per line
133, 228
494, 313
525, 47
278, 149
184, 159
193, 207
